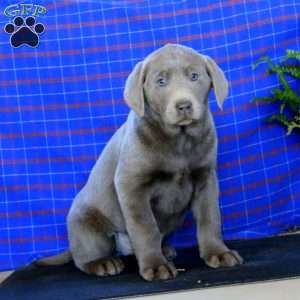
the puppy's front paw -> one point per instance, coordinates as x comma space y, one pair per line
161, 272
229, 258
105, 266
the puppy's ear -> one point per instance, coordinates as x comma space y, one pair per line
134, 93
219, 81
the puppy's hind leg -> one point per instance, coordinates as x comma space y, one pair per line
92, 244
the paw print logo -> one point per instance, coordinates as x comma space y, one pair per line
24, 32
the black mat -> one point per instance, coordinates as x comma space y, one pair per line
265, 259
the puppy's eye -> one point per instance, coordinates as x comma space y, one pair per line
162, 81
194, 76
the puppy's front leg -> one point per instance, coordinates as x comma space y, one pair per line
206, 211
144, 234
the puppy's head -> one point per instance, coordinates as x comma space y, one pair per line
175, 81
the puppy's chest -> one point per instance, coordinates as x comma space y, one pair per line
172, 191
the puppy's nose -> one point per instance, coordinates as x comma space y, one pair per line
184, 107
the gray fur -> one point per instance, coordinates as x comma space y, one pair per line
159, 164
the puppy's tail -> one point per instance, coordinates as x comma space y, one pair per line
59, 259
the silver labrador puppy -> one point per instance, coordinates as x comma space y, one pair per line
156, 167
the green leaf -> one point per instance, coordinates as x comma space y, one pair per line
284, 93
292, 126
263, 59
293, 54
280, 118
282, 107
264, 99
292, 70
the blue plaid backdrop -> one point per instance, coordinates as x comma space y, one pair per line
62, 101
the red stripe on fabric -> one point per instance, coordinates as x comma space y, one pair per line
41, 160
256, 184
245, 107
188, 223
260, 209
28, 213
54, 80
81, 104
160, 15
24, 240
248, 79
221, 166
161, 42
64, 159
225, 192
55, 106
256, 157
244, 134
120, 74
256, 51
81, 131
102, 102
59, 4
85, 131
41, 186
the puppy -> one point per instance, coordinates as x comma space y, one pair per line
156, 167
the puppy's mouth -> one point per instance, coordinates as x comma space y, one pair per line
185, 122
187, 119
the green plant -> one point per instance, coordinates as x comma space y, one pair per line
288, 98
